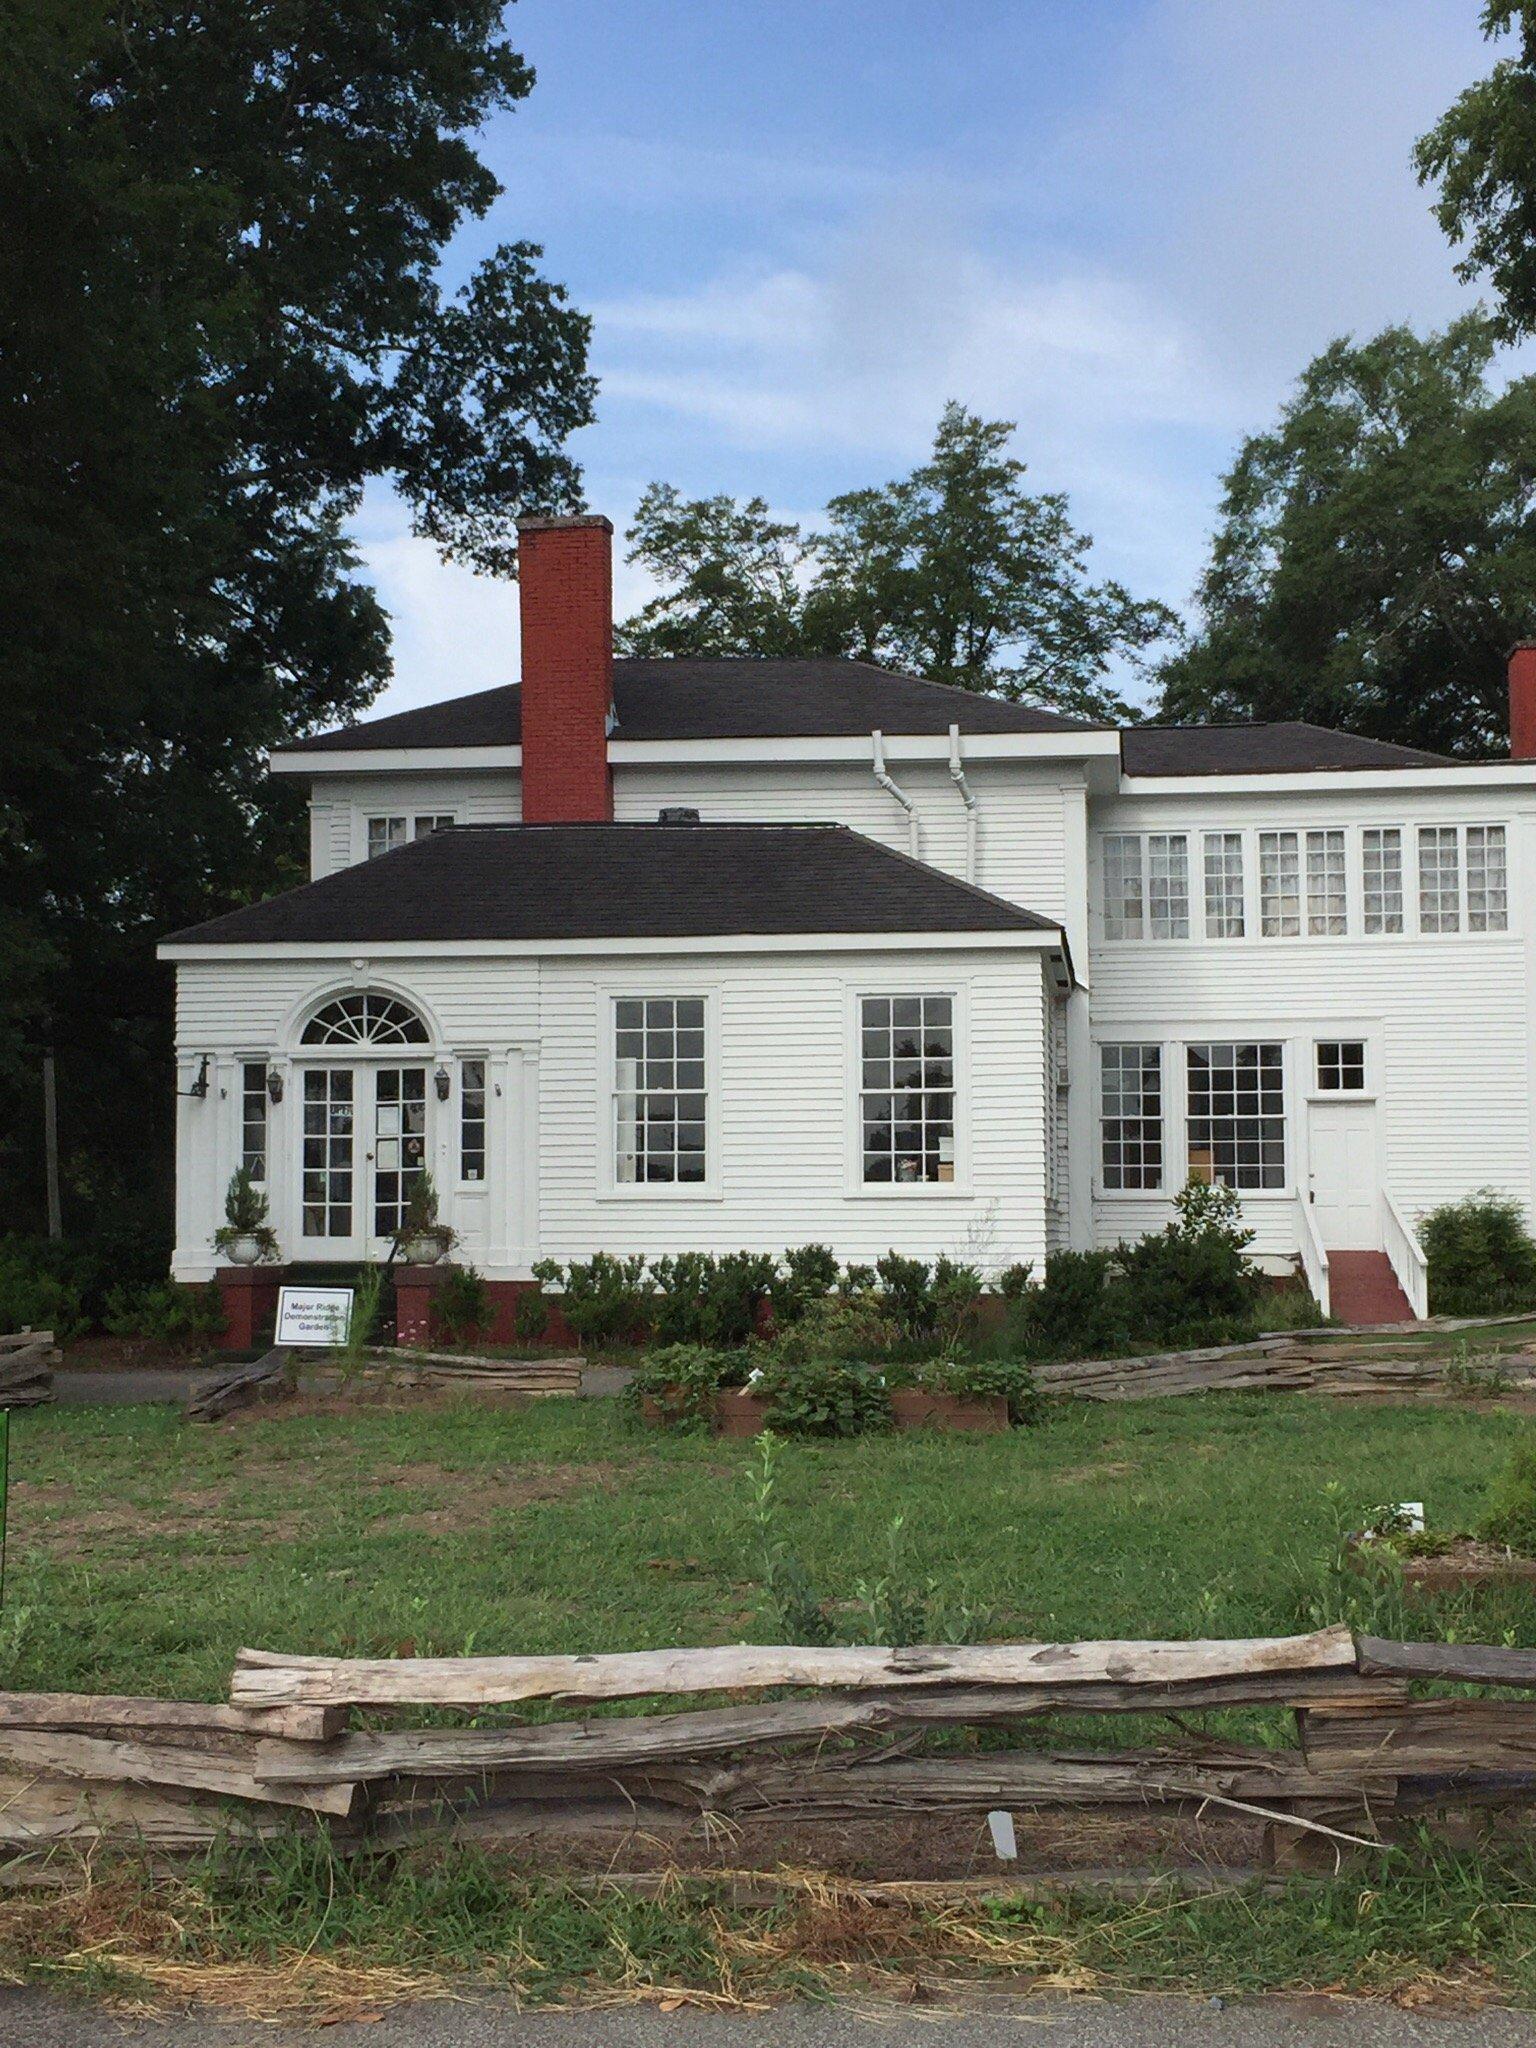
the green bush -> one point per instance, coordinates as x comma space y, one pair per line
809, 1275
33, 1297
822, 1397
683, 1380
838, 1326
1481, 1256
530, 1316
984, 1379
701, 1299
1511, 1514
1074, 1312
604, 1298
180, 1318
461, 1306
1191, 1283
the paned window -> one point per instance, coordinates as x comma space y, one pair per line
1439, 879
253, 1118
1132, 1115
907, 1093
385, 834
1168, 885
1224, 885
1124, 898
1382, 857
1327, 884
1279, 885
399, 1143
1340, 1066
1487, 879
659, 1089
365, 1020
327, 1142
472, 1120
1237, 1114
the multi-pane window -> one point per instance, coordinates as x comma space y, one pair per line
907, 1089
365, 1020
1237, 1114
327, 1152
1381, 853
1279, 885
253, 1118
1439, 879
1327, 884
1224, 885
399, 1143
385, 834
1487, 880
1124, 900
472, 1120
1131, 1086
659, 1089
1146, 885
1340, 1066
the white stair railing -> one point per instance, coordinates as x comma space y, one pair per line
1406, 1254
1314, 1260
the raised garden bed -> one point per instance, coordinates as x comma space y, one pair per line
917, 1408
739, 1412
1456, 1564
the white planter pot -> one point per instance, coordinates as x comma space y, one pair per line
243, 1251
422, 1251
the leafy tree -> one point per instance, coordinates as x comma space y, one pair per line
220, 317
955, 572
1482, 155
1376, 553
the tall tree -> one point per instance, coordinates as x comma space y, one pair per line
955, 572
1482, 155
220, 316
1376, 552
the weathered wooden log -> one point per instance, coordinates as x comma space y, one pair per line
1422, 1737
87, 1711
226, 1769
264, 1678
1471, 1663
36, 1812
240, 1389
634, 1741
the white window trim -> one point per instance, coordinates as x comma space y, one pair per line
1162, 1192
1175, 1039
856, 1188
610, 1188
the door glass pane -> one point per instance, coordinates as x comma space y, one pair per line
399, 1143
327, 1152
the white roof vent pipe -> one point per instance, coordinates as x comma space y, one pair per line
968, 795
894, 789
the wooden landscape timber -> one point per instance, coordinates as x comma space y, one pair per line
1358, 1365
27, 1359
1366, 1751
510, 1375
267, 1380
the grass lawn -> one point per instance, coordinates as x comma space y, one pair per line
144, 1552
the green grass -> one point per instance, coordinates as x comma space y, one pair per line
144, 1551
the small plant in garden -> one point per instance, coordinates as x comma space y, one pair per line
367, 1291
33, 1298
1510, 1518
905, 1293
245, 1216
901, 1609
808, 1275
1481, 1255
846, 1326
461, 1306
822, 1397
530, 1316
604, 1298
789, 1599
1014, 1281
682, 1380
1472, 1376
701, 1299
986, 1379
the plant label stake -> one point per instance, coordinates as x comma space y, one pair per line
1005, 1843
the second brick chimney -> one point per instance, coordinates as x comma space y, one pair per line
566, 577
1522, 701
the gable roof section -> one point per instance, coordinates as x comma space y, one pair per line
597, 882
1285, 749
711, 700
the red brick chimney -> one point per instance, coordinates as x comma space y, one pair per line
566, 575
1522, 701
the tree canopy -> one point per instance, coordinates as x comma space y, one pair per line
955, 572
220, 317
1376, 553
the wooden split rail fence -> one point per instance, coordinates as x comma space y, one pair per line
1367, 1751
27, 1359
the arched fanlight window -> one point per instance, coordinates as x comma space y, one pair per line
365, 1020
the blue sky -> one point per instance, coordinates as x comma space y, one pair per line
801, 228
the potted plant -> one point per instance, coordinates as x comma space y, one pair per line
245, 1237
421, 1240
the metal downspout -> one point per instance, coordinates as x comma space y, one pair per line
892, 788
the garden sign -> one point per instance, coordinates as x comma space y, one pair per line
318, 1316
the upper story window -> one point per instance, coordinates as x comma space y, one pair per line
907, 1089
1327, 884
1439, 879
659, 1094
386, 833
1280, 885
1381, 859
1224, 914
1487, 879
1146, 885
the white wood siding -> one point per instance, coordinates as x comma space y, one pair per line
342, 805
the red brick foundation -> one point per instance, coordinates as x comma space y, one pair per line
415, 1287
249, 1298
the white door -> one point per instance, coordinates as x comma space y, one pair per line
364, 1145
1345, 1203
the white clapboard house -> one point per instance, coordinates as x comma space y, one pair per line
653, 956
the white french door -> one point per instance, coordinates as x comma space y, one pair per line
363, 1148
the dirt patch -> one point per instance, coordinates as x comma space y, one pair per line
1088, 1475
478, 1498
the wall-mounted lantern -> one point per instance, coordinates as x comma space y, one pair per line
441, 1083
199, 1088
274, 1085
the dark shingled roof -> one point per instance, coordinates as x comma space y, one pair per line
534, 882
1259, 750
716, 700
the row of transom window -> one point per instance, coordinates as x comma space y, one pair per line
1304, 883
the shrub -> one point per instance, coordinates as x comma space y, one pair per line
603, 1297
530, 1316
1073, 1311
1511, 1515
1191, 1282
1013, 1283
33, 1297
905, 1293
954, 1292
701, 1299
853, 1326
1481, 1256
180, 1318
683, 1379
809, 1275
822, 1397
461, 1306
